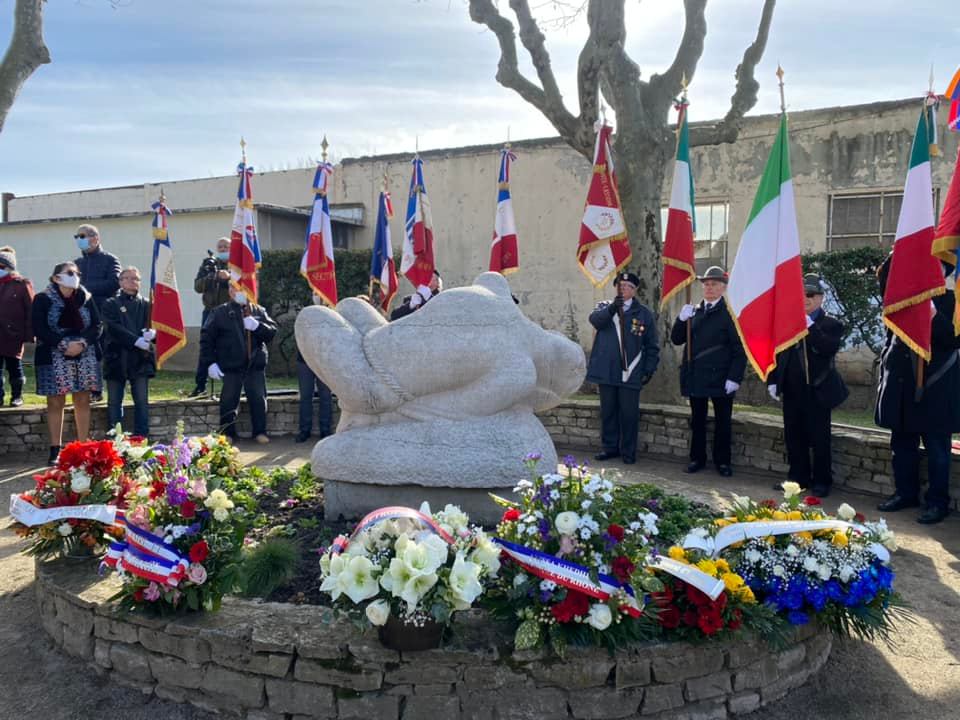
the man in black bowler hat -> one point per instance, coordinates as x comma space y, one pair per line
624, 357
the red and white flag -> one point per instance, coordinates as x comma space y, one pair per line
678, 250
765, 295
417, 261
317, 264
604, 248
504, 252
166, 314
244, 245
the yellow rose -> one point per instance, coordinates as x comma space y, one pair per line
746, 594
779, 515
804, 536
722, 565
771, 540
721, 522
677, 553
795, 515
839, 539
751, 518
708, 567
732, 581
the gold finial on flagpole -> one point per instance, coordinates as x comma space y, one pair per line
243, 150
386, 183
324, 145
163, 198
783, 102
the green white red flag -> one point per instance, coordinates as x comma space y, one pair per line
678, 255
765, 295
915, 274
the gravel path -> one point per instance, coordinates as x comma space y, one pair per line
918, 678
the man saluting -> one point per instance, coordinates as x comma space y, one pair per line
624, 357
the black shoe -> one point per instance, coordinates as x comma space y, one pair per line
54, 454
629, 461
695, 466
197, 392
725, 470
897, 503
933, 515
821, 491
302, 437
96, 397
606, 455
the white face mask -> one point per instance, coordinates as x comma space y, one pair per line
240, 298
69, 281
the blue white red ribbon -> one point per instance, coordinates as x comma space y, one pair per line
389, 513
146, 555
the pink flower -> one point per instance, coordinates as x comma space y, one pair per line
152, 593
567, 545
139, 517
198, 488
197, 574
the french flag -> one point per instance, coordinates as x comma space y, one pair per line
166, 314
317, 264
417, 262
504, 251
383, 270
244, 246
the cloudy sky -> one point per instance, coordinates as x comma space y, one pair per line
158, 90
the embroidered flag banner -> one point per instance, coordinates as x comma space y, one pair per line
504, 251
417, 262
317, 264
604, 248
383, 269
765, 295
244, 245
915, 274
678, 256
166, 314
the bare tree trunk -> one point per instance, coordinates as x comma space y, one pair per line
26, 53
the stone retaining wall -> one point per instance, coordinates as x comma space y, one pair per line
268, 661
861, 458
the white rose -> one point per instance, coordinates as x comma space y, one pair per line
79, 481
790, 489
810, 564
65, 529
567, 522
377, 612
824, 572
779, 571
845, 512
889, 540
752, 556
600, 616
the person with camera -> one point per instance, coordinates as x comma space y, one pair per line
129, 355
213, 284
712, 369
233, 347
625, 355
807, 380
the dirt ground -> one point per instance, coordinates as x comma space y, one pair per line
920, 677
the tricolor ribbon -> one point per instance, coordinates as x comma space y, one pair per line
739, 532
392, 512
146, 555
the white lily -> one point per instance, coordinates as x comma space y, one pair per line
464, 581
357, 581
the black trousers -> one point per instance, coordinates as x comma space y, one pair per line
722, 414
619, 418
905, 448
806, 428
14, 368
254, 385
201, 379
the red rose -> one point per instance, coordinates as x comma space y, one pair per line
768, 503
663, 599
199, 551
736, 621
138, 595
188, 509
575, 603
709, 621
669, 617
615, 531
860, 517
157, 488
623, 568
698, 598
811, 501
690, 617
511, 515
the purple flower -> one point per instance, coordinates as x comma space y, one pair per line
532, 457
177, 491
608, 540
570, 461
289, 503
544, 527
543, 496
545, 596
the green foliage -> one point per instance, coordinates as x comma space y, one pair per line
677, 515
283, 292
268, 566
854, 293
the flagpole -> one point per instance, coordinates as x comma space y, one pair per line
689, 288
246, 307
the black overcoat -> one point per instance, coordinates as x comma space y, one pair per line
223, 339
606, 364
717, 354
824, 338
125, 317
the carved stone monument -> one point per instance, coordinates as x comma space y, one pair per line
438, 405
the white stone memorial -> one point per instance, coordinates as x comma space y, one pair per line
438, 405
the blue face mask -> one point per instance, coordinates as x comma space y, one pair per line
4, 273
223, 256
83, 244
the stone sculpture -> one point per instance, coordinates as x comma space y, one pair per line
438, 405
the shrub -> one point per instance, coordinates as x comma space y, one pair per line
269, 565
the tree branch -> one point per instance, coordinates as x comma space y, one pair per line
745, 95
25, 54
688, 53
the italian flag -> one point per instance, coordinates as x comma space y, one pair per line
765, 294
678, 267
915, 274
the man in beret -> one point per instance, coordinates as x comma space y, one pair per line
810, 387
712, 369
624, 357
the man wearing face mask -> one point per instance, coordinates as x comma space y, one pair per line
233, 347
213, 284
414, 302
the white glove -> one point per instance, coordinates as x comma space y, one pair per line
730, 387
687, 312
150, 335
215, 372
772, 389
142, 343
251, 323
415, 300
809, 321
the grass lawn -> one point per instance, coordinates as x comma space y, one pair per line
165, 386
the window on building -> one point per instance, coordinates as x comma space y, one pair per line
865, 219
710, 244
